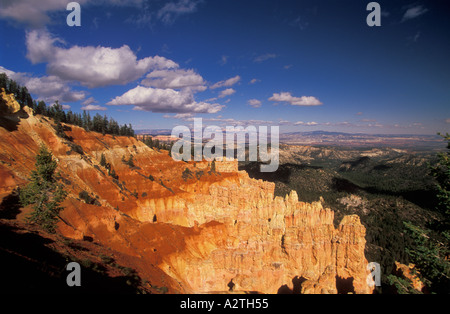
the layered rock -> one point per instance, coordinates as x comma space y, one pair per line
207, 232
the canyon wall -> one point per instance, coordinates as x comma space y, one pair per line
198, 233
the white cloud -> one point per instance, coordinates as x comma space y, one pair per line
226, 92
36, 13
447, 121
264, 57
11, 74
414, 12
89, 101
254, 81
220, 120
51, 88
91, 66
175, 79
33, 14
306, 123
255, 103
93, 108
171, 11
47, 88
284, 122
164, 101
233, 122
295, 101
40, 46
227, 83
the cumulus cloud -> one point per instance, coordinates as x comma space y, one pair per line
255, 103
40, 46
47, 88
91, 66
164, 101
414, 12
227, 83
175, 79
254, 81
226, 92
295, 101
51, 88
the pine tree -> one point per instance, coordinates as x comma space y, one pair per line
43, 192
213, 166
3, 81
441, 172
431, 248
41, 108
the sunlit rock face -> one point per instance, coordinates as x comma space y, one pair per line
203, 232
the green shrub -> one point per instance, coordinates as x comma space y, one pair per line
187, 174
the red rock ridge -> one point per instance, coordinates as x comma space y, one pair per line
200, 234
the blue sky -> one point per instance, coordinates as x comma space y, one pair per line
302, 65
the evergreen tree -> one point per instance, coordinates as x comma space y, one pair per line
41, 108
3, 81
213, 166
43, 192
441, 172
431, 246
104, 125
84, 120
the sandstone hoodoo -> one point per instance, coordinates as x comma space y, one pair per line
201, 232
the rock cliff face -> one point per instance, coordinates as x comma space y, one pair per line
197, 232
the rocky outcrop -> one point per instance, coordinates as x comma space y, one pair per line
8, 104
199, 232
410, 273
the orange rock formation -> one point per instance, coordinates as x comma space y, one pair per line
203, 233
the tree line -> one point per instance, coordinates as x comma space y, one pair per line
156, 143
96, 123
